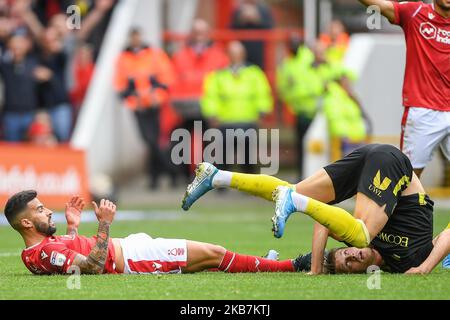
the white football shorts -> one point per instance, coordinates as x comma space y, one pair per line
143, 254
423, 130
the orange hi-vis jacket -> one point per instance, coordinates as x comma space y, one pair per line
143, 77
192, 67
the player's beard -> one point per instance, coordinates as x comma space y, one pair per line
45, 228
443, 4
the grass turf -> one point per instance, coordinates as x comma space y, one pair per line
244, 228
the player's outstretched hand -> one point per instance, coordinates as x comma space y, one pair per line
106, 211
73, 211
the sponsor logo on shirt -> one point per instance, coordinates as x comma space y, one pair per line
394, 239
57, 259
176, 252
379, 186
430, 32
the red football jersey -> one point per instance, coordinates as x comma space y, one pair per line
427, 75
55, 254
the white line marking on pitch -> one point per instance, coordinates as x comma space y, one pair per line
9, 254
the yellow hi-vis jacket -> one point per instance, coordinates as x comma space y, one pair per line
237, 97
344, 117
299, 84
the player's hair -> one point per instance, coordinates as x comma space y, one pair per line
330, 261
16, 204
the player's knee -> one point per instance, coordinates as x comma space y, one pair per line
217, 252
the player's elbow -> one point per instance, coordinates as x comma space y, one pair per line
89, 268
444, 237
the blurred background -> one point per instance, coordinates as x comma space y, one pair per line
91, 90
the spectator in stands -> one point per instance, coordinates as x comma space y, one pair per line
348, 125
300, 87
57, 43
346, 122
336, 41
6, 28
253, 15
71, 38
142, 79
74, 38
46, 9
4, 8
83, 69
53, 93
40, 132
20, 73
199, 56
237, 97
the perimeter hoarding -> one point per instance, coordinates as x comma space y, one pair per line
56, 173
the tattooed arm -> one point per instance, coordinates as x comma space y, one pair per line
94, 263
73, 214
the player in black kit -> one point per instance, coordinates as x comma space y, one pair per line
392, 223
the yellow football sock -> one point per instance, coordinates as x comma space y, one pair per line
259, 185
340, 222
448, 227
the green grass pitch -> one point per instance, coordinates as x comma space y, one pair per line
244, 228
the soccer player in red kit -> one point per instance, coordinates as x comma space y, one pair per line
426, 88
46, 253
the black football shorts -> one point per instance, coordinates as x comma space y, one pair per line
379, 171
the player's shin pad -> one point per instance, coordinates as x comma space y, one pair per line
259, 185
340, 222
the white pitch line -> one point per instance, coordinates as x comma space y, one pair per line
9, 254
89, 216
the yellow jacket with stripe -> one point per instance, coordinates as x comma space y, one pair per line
343, 114
300, 85
237, 96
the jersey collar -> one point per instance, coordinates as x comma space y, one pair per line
34, 245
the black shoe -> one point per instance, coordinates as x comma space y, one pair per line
302, 263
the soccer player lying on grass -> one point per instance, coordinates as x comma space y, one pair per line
392, 225
135, 254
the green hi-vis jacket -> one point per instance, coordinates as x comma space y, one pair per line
237, 97
343, 115
336, 54
301, 84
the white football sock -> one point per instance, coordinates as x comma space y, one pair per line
222, 179
300, 201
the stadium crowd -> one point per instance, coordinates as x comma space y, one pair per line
224, 86
45, 67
